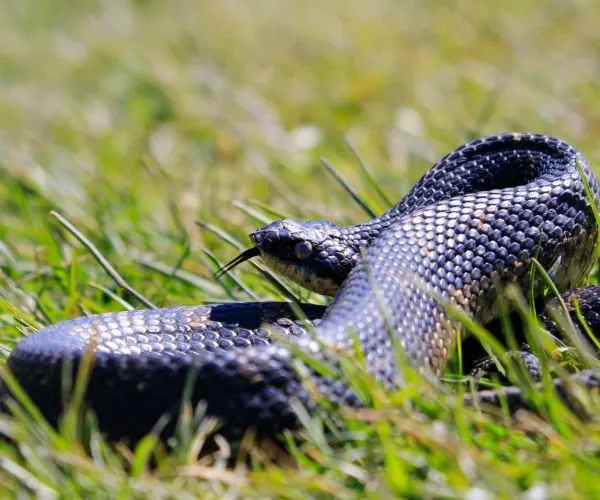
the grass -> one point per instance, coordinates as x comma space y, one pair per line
136, 120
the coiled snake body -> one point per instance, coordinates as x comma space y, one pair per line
469, 227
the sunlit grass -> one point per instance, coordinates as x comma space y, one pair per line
167, 131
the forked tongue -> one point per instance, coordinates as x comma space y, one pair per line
243, 257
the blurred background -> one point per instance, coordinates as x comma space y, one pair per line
136, 119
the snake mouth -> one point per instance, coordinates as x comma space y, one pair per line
243, 257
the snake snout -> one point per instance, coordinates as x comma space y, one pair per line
279, 233
261, 240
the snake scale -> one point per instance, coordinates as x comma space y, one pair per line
469, 227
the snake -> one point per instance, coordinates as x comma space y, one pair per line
474, 224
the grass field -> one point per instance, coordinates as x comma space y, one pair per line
136, 120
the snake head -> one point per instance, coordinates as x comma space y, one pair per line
313, 254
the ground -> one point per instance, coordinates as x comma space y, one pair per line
167, 131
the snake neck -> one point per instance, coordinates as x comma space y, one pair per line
494, 162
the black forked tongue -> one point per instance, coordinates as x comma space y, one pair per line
243, 257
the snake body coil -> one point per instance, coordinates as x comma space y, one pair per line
471, 226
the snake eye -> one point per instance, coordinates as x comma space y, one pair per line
302, 250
